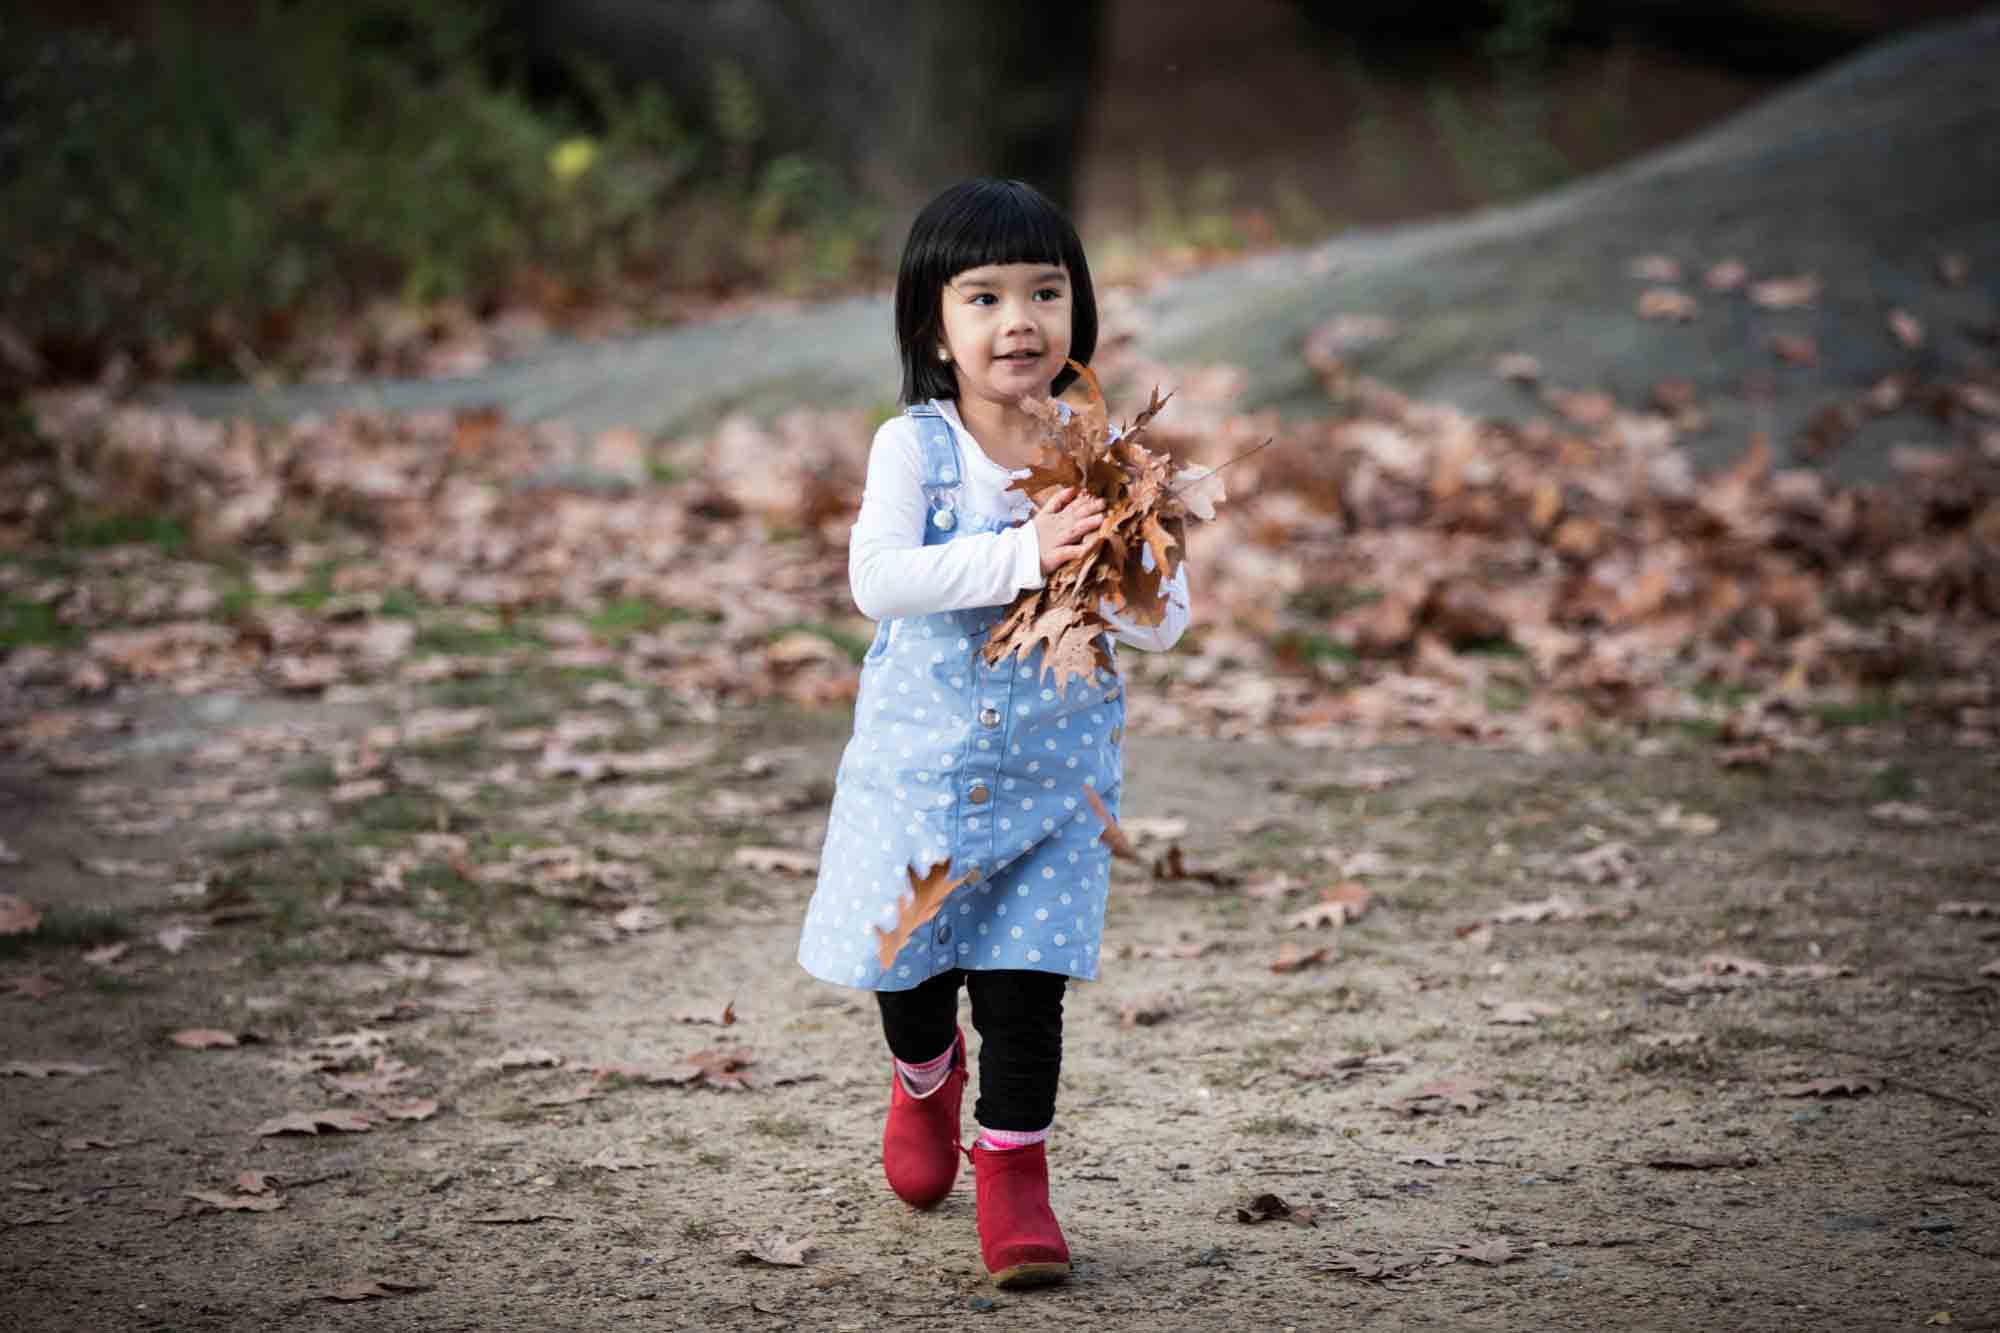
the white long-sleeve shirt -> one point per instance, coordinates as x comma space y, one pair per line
893, 574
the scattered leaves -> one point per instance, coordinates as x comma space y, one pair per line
774, 1247
312, 1122
1467, 1095
18, 916
1273, 1208
723, 1016
371, 1289
1143, 514
238, 1203
1831, 1087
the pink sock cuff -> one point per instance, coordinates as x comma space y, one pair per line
999, 1140
924, 1079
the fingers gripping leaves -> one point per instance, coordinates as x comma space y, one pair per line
1141, 511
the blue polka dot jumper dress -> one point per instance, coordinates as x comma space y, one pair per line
983, 766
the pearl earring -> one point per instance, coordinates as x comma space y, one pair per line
944, 354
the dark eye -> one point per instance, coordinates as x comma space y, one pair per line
1049, 293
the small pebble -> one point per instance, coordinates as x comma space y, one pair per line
981, 1304
1938, 1222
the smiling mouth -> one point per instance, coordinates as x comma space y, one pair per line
1020, 356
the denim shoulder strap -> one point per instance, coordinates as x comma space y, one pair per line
941, 464
940, 450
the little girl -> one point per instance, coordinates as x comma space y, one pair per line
954, 761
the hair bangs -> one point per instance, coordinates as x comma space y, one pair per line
971, 225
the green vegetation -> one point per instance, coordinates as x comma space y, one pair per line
620, 620
193, 189
26, 624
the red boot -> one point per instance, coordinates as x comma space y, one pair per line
1018, 1235
920, 1141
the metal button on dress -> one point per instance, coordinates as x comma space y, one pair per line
980, 794
989, 717
945, 519
1111, 694
944, 933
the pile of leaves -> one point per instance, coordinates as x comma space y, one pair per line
1146, 508
1403, 566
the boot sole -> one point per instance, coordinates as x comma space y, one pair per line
1031, 1275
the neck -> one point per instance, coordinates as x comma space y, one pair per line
1007, 434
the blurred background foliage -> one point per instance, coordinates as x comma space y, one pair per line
202, 188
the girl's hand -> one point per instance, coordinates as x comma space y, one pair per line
1061, 524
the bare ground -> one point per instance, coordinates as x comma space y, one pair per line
1861, 1211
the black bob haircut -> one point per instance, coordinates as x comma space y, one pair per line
972, 224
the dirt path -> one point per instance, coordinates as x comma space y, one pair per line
1229, 1080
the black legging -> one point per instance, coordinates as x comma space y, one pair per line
1018, 1016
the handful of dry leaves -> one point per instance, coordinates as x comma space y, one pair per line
1146, 507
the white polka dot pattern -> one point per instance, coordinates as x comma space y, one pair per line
903, 795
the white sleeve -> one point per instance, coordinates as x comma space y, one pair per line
1155, 638
890, 569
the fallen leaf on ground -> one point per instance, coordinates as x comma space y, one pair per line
1183, 952
104, 955
1907, 814
582, 1092
1524, 1013
1716, 1161
30, 985
371, 1289
1272, 1208
1906, 328
1436, 1098
1794, 349
715, 1067
1785, 293
18, 916
511, 1217
1372, 1268
1152, 828
1967, 907
1349, 1067
383, 1077
1145, 1012
423, 1108
1292, 959
638, 919
34, 1069
775, 860
93, 1143
173, 938
774, 1247
1555, 907
311, 1122
202, 1039
1831, 1087
1173, 866
720, 1017
256, 1182
1483, 1252
532, 1057
238, 1203
1668, 303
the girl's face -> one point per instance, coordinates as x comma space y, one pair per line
1007, 329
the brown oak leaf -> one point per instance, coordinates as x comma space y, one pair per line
915, 908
